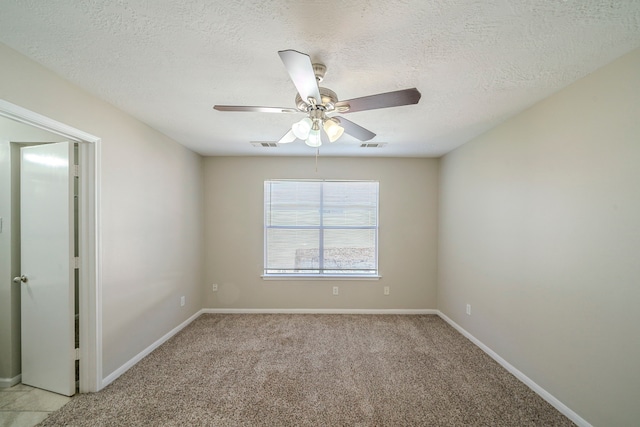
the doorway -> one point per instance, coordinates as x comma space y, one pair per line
89, 295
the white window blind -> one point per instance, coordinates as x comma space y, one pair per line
321, 228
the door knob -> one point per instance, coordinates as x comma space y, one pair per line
19, 279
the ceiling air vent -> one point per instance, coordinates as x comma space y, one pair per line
373, 145
264, 144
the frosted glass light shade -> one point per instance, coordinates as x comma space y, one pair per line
314, 139
333, 130
302, 128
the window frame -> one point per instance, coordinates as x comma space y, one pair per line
321, 228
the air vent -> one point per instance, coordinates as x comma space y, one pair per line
373, 145
264, 144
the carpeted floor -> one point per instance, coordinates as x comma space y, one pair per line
313, 370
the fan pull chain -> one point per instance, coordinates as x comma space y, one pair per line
317, 154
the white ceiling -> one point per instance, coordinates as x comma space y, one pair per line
476, 62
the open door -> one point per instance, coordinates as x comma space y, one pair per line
47, 267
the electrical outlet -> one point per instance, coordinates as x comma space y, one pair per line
214, 287
469, 309
335, 290
182, 301
386, 290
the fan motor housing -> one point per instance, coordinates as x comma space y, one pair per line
328, 99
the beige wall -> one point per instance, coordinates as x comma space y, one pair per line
234, 234
151, 210
540, 233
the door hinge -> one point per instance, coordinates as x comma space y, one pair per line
76, 262
76, 170
77, 354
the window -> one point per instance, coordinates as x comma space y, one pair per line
321, 228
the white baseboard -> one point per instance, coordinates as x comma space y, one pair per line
564, 409
124, 368
315, 311
10, 382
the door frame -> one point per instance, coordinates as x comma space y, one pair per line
90, 288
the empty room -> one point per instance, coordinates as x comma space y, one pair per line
302, 213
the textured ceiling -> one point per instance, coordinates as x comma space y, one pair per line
476, 62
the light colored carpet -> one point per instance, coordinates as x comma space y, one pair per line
313, 370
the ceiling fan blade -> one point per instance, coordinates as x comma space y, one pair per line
287, 138
355, 130
381, 100
255, 109
301, 72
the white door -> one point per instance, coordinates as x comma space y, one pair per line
47, 267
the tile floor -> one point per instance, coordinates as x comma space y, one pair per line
24, 406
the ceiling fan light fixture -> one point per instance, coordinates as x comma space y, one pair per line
302, 128
333, 130
316, 102
314, 138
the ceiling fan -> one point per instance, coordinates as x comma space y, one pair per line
319, 104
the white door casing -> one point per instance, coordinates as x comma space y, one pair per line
47, 262
91, 378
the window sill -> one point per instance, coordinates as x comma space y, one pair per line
304, 277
